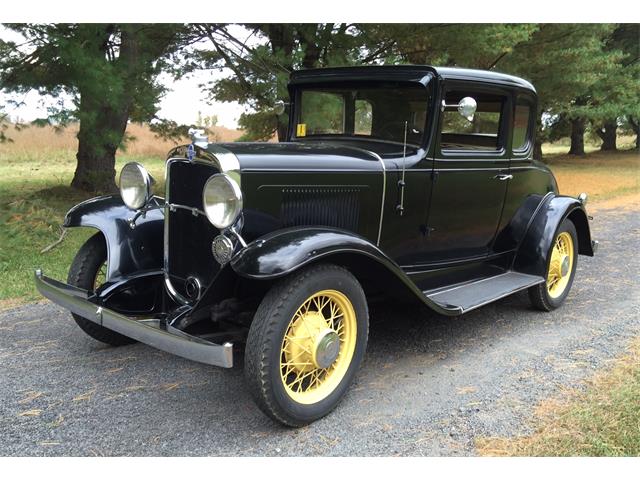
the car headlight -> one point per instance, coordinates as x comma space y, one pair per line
222, 200
135, 185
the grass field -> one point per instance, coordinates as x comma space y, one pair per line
36, 169
601, 420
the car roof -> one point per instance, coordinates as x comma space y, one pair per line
415, 73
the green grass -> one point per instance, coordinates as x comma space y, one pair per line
602, 420
34, 197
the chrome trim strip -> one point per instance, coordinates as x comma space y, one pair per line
148, 331
384, 192
227, 161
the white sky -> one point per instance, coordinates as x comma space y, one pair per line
182, 102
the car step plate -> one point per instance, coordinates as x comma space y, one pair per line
470, 295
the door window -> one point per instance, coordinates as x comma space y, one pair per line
482, 133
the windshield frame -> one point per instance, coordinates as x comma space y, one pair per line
345, 84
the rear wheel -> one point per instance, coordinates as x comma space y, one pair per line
306, 342
561, 270
88, 271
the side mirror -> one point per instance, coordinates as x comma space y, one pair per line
279, 107
466, 107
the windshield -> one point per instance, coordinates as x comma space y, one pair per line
373, 112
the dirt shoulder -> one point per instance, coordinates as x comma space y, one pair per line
602, 419
624, 202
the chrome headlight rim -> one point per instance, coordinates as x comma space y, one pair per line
228, 218
142, 194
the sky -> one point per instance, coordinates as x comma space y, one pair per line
182, 102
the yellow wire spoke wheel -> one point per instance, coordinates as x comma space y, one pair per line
560, 265
318, 346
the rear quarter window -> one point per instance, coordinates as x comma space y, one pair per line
521, 125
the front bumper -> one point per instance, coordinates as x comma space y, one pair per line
150, 331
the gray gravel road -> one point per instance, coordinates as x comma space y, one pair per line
429, 385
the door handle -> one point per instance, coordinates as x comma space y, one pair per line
503, 176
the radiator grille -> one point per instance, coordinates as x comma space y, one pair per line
188, 236
330, 206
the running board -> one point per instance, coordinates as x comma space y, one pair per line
461, 298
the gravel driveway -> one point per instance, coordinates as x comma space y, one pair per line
429, 385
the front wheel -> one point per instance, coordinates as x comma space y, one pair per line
561, 269
306, 342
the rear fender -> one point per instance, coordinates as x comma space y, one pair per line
281, 253
129, 250
532, 256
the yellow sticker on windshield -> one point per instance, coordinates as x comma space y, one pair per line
302, 130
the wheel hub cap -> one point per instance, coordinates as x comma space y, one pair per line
327, 348
313, 343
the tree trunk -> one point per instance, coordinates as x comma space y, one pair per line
577, 136
102, 126
281, 37
97, 146
608, 135
537, 150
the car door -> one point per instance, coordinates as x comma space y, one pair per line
470, 172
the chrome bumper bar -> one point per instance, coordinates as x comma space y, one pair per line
148, 331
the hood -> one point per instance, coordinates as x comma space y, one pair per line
302, 156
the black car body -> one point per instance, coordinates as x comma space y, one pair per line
380, 180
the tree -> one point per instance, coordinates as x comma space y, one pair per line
262, 60
563, 61
109, 71
481, 46
616, 98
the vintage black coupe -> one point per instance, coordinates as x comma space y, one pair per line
408, 182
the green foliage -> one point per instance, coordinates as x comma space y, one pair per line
462, 45
109, 71
261, 65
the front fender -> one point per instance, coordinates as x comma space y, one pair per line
128, 250
282, 252
532, 256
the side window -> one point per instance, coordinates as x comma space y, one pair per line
363, 117
322, 113
480, 134
521, 121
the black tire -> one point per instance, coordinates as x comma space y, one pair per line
539, 294
84, 269
270, 323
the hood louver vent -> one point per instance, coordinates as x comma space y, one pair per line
329, 206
